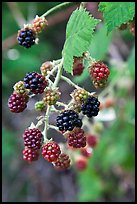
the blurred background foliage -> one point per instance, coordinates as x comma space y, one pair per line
110, 172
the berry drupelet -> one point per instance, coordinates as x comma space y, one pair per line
51, 151
26, 37
32, 138
35, 82
17, 102
30, 154
76, 138
67, 120
90, 107
63, 162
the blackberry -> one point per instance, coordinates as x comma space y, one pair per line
45, 67
78, 66
67, 120
51, 151
17, 102
35, 82
26, 37
63, 162
39, 106
91, 107
79, 96
92, 140
50, 97
86, 152
81, 163
30, 154
76, 138
19, 88
32, 138
39, 23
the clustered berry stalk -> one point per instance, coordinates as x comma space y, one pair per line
69, 121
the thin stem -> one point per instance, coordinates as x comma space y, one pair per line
53, 127
46, 123
70, 82
58, 76
58, 103
56, 8
83, 4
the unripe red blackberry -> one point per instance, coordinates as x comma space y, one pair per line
92, 140
78, 66
19, 88
39, 24
17, 102
79, 96
67, 120
51, 151
26, 37
81, 163
86, 152
30, 154
50, 97
35, 82
99, 73
76, 138
63, 162
45, 67
39, 106
32, 138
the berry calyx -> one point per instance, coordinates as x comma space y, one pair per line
32, 138
76, 138
67, 120
50, 97
39, 24
51, 151
45, 67
26, 37
92, 140
39, 106
81, 163
63, 162
30, 154
90, 107
35, 82
78, 66
17, 103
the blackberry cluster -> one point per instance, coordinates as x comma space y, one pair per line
32, 138
17, 102
63, 162
26, 37
90, 107
35, 82
30, 154
67, 120
51, 151
76, 138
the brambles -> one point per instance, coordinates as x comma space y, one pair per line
32, 138
78, 66
76, 138
67, 120
70, 116
26, 37
35, 82
17, 103
91, 107
51, 151
99, 73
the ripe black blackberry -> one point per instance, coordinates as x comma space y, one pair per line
67, 120
90, 107
35, 82
26, 37
17, 102
32, 138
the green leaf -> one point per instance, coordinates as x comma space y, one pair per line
117, 13
79, 34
